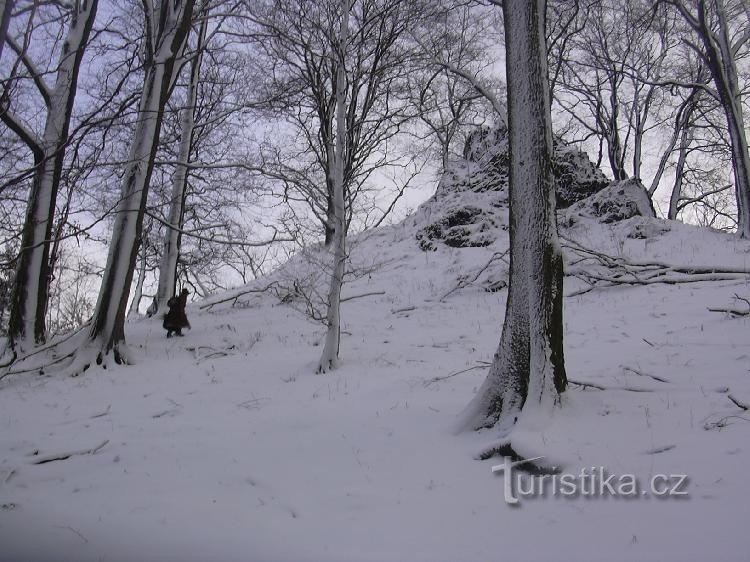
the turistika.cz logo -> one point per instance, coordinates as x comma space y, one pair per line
590, 482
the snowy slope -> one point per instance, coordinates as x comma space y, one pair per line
224, 445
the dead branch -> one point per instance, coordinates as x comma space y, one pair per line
373, 293
735, 311
641, 374
236, 296
658, 450
466, 280
738, 403
65, 456
602, 387
480, 365
406, 309
599, 270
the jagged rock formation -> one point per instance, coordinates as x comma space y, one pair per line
616, 202
471, 200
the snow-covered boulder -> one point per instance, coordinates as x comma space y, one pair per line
616, 202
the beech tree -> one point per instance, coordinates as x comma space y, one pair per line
299, 40
712, 22
171, 250
33, 273
167, 23
528, 370
337, 155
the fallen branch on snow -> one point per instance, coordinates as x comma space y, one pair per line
738, 403
735, 311
65, 456
235, 296
372, 294
601, 387
466, 280
640, 374
603, 271
481, 365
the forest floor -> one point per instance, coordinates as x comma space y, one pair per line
224, 444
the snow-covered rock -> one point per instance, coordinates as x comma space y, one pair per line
617, 202
470, 205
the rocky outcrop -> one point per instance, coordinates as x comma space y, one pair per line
616, 202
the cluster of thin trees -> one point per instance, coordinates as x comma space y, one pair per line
196, 140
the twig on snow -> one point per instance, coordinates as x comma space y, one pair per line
65, 456
738, 403
641, 374
481, 365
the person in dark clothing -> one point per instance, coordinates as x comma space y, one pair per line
176, 319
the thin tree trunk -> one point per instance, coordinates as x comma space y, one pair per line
682, 120
108, 325
136, 302
27, 325
686, 138
168, 266
528, 367
6, 7
329, 357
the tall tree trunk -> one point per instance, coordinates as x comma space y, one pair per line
528, 368
329, 357
724, 70
6, 7
108, 325
172, 238
31, 287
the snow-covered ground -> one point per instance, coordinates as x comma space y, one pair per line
223, 445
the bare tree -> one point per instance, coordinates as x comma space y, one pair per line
297, 38
711, 22
337, 155
31, 285
167, 24
170, 253
453, 38
607, 66
528, 368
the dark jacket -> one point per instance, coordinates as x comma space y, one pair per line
176, 319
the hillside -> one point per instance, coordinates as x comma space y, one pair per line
223, 445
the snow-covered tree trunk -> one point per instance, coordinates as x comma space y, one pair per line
686, 138
724, 70
171, 251
31, 286
528, 368
329, 358
167, 30
136, 302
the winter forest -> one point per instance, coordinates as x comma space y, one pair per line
373, 280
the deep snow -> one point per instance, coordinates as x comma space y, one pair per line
223, 445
